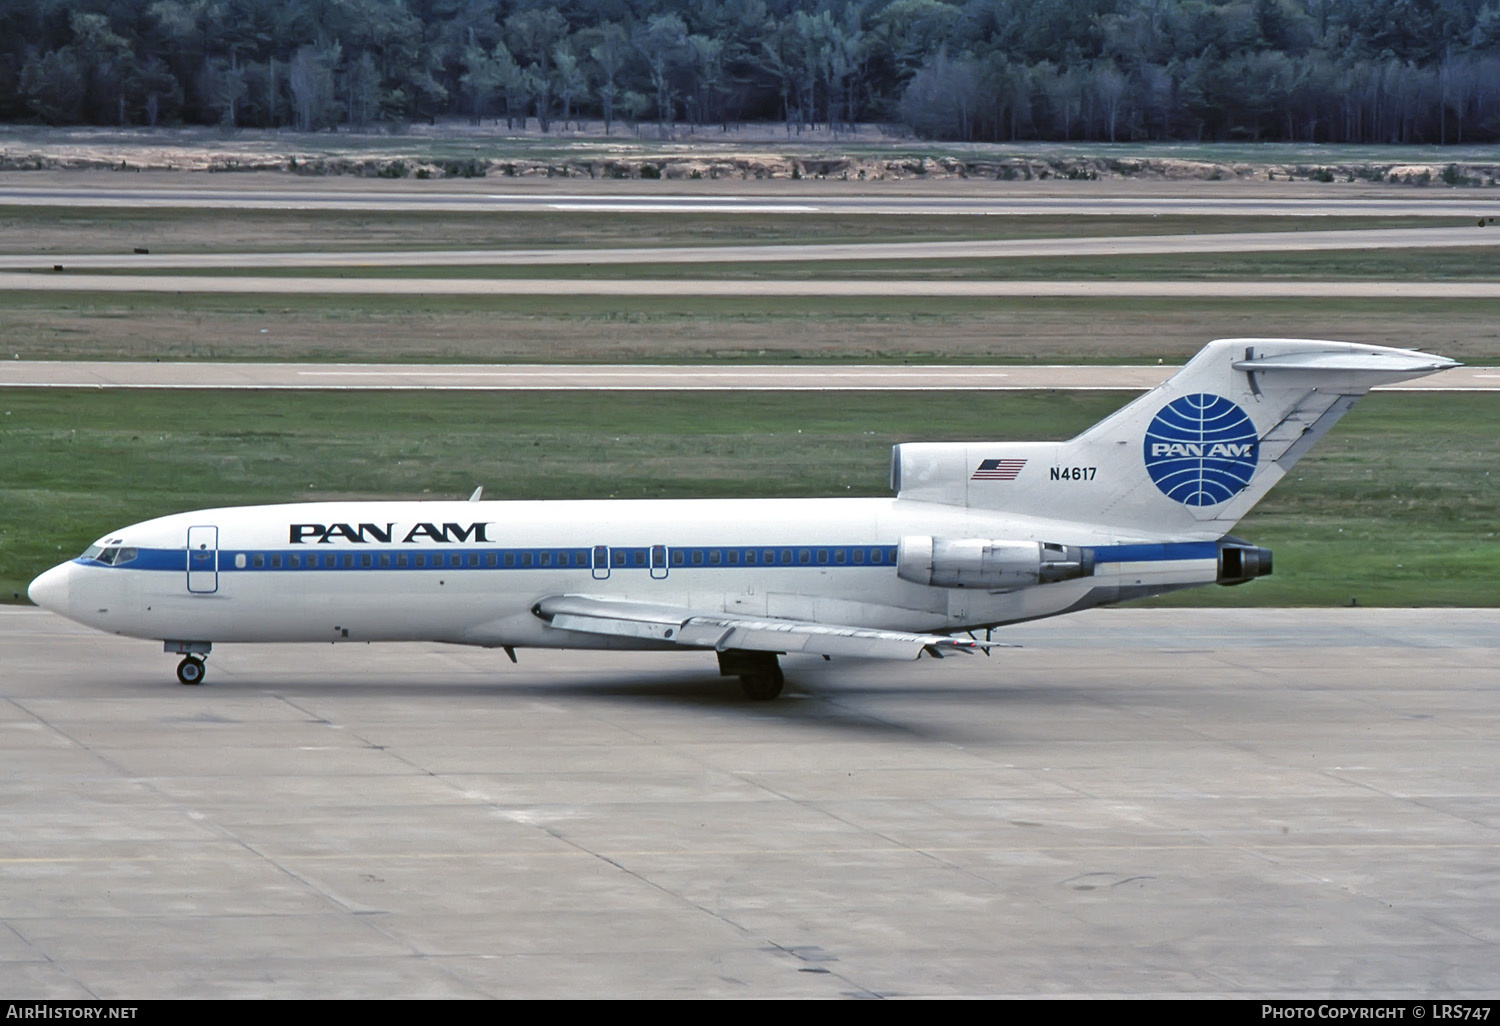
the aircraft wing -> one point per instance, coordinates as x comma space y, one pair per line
722, 631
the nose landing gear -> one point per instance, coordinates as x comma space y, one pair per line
190, 670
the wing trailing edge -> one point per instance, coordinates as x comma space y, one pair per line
725, 631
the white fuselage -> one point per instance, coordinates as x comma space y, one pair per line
472, 572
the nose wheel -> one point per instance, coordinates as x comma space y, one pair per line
190, 670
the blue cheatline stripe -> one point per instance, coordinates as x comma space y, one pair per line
621, 559
1156, 553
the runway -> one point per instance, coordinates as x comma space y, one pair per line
620, 377
1236, 803
767, 287
1122, 245
781, 197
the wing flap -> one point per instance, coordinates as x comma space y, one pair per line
722, 631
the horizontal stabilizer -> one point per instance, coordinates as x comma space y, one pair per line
1388, 364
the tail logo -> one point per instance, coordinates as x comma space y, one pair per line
1201, 450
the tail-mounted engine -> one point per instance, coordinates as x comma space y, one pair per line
1239, 561
988, 564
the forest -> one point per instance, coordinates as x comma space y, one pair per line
1351, 71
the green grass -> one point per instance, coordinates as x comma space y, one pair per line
573, 329
1397, 506
1437, 264
57, 230
1480, 263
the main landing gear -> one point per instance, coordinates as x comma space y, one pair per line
190, 670
759, 673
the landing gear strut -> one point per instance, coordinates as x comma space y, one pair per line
759, 673
190, 670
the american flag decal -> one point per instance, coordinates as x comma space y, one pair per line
998, 470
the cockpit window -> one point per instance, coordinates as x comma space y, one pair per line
115, 555
92, 552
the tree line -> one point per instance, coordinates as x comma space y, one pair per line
1368, 71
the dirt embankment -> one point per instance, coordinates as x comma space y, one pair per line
748, 167
429, 156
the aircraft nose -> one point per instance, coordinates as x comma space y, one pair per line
50, 590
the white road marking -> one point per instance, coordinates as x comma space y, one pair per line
697, 208
755, 287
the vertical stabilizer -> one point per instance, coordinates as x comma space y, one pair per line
1187, 459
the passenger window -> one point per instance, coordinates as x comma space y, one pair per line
348, 560
473, 559
734, 557
676, 558
715, 557
840, 556
697, 557
420, 560
510, 559
295, 560
259, 561
366, 560
859, 555
822, 555
239, 561
491, 559
385, 560
804, 556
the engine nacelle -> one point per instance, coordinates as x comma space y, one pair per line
987, 563
1239, 562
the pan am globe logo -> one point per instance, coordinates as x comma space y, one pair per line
1201, 449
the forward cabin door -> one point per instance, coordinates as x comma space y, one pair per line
203, 560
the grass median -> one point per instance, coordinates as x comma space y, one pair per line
604, 329
1396, 507
47, 230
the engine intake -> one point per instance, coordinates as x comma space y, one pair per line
987, 563
1241, 562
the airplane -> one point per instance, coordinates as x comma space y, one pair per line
978, 535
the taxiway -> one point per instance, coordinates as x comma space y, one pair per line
1236, 803
631, 378
273, 192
